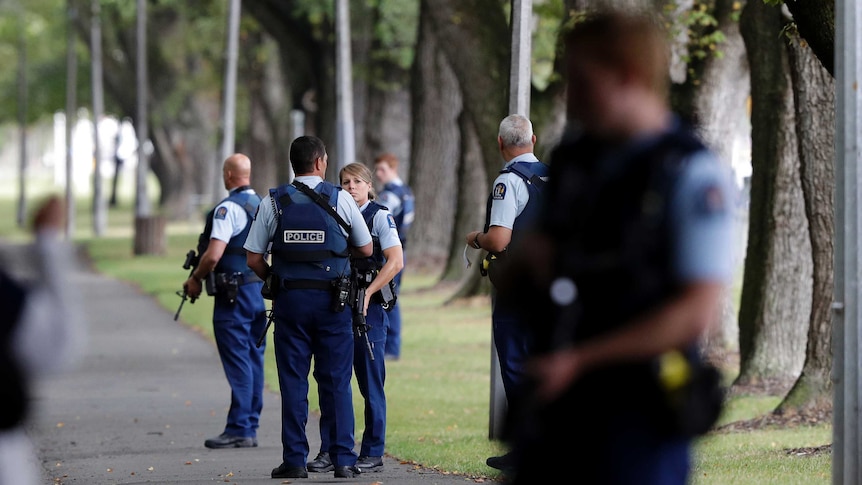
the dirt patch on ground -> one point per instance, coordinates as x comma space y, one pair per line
810, 417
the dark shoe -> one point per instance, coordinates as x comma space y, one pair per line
225, 440
346, 471
370, 463
504, 463
284, 471
321, 464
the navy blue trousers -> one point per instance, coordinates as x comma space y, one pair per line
370, 377
512, 341
393, 334
236, 327
305, 327
622, 448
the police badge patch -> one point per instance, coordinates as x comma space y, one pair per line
710, 201
220, 213
499, 192
391, 219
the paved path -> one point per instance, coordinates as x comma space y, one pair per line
147, 395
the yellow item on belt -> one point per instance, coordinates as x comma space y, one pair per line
674, 370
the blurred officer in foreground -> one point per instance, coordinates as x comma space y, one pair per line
42, 331
239, 313
513, 206
398, 198
373, 275
314, 226
632, 255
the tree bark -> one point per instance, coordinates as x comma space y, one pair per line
475, 39
266, 137
436, 150
814, 95
470, 176
776, 292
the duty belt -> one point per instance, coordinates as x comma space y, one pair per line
306, 284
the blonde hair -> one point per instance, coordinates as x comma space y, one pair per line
359, 170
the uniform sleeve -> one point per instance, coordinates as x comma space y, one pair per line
703, 222
385, 229
52, 332
349, 211
505, 200
390, 200
262, 228
228, 221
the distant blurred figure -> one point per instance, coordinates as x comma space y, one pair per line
124, 146
632, 254
398, 198
41, 332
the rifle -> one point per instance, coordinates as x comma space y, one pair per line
268, 291
269, 316
192, 260
360, 327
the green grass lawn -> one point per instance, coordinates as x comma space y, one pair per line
439, 391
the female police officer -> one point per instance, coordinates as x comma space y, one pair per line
374, 273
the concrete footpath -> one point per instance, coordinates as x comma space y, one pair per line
145, 397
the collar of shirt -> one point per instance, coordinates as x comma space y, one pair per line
524, 157
310, 180
241, 188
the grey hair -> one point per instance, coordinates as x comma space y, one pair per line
516, 130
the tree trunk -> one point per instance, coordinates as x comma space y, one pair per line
776, 292
267, 137
475, 39
470, 175
814, 95
385, 98
720, 101
436, 150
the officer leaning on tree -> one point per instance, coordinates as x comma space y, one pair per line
239, 314
314, 227
512, 207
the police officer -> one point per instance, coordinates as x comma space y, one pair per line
42, 332
512, 208
633, 252
374, 274
313, 226
239, 313
398, 197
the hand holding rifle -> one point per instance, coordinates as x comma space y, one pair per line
360, 327
191, 263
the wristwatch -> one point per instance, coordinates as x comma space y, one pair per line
476, 241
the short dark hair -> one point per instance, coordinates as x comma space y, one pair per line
304, 151
633, 41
